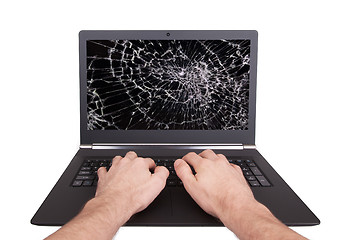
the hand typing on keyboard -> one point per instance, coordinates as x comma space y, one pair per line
131, 180
128, 187
218, 186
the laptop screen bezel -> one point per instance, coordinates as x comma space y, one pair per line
168, 136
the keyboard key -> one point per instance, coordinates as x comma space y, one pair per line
85, 173
86, 168
263, 181
244, 169
94, 164
103, 164
171, 183
255, 171
91, 177
247, 173
77, 183
173, 177
254, 183
251, 165
250, 178
87, 183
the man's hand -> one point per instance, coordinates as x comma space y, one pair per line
130, 184
222, 191
217, 184
127, 188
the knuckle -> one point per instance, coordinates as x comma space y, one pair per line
116, 157
150, 159
208, 151
131, 153
191, 154
238, 168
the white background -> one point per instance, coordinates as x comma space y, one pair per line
299, 96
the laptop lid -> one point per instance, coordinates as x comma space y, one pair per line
193, 87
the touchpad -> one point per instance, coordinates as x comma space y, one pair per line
186, 211
157, 213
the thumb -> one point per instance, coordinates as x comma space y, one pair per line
184, 172
160, 175
101, 172
156, 185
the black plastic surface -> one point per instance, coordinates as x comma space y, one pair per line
173, 207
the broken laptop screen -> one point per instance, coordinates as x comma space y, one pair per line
168, 84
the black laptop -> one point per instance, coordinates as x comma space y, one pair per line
163, 94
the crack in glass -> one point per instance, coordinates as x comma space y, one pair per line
168, 84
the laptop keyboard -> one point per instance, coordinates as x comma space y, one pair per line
87, 174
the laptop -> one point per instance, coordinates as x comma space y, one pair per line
163, 94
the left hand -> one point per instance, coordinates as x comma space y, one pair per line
129, 184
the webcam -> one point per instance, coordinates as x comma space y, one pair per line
168, 34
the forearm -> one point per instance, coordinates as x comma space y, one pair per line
255, 221
97, 220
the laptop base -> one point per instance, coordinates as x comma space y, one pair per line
173, 207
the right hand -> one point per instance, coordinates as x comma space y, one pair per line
218, 186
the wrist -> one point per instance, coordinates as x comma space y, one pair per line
111, 213
253, 220
241, 212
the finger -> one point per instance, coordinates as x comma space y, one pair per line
209, 154
184, 172
101, 172
159, 178
237, 168
151, 163
148, 162
193, 159
155, 186
222, 156
161, 173
233, 165
131, 155
116, 159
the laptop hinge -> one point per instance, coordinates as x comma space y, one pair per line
249, 146
167, 146
86, 146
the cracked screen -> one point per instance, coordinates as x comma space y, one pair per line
168, 84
